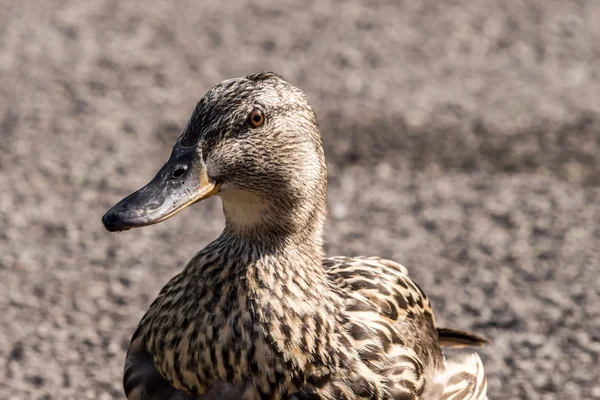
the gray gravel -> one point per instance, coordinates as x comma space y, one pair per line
463, 140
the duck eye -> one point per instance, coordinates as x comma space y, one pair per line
256, 118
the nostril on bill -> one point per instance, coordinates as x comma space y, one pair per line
179, 172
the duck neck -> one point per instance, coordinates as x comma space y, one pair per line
273, 223
279, 246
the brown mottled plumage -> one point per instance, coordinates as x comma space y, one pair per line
260, 313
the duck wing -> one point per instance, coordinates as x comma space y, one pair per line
393, 327
385, 306
391, 321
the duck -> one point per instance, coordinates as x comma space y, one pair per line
261, 312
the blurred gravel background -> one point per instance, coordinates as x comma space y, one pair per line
463, 139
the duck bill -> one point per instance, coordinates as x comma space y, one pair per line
181, 182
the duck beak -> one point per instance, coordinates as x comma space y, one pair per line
182, 181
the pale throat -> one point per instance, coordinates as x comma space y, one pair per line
254, 214
244, 211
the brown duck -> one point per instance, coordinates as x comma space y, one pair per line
261, 313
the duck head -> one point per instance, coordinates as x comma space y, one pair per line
253, 141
